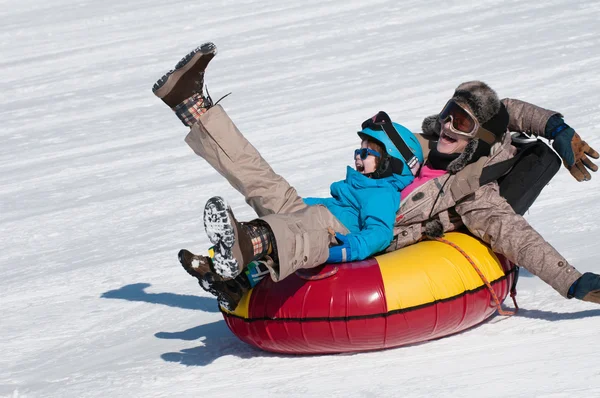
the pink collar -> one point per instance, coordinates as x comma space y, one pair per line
425, 174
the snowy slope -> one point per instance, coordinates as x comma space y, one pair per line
98, 191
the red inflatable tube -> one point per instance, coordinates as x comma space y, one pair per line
369, 305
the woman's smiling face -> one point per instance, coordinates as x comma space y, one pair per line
451, 142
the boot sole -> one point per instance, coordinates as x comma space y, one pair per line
165, 84
221, 231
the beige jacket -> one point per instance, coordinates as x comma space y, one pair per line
485, 213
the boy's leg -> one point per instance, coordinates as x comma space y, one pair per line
296, 240
302, 238
217, 139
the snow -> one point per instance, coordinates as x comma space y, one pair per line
98, 191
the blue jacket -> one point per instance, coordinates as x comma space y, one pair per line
367, 207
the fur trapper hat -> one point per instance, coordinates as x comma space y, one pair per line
480, 98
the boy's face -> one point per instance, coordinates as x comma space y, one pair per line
367, 165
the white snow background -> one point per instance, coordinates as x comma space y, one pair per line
98, 191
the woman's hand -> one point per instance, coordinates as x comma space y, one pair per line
571, 148
574, 153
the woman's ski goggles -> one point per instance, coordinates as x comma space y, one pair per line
365, 152
464, 123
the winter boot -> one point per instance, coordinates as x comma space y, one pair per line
228, 292
235, 244
187, 78
232, 245
182, 88
586, 288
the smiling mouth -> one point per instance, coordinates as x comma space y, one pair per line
359, 168
447, 137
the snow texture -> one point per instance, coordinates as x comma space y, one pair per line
98, 191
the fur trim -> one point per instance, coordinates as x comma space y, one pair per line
480, 98
431, 125
434, 229
464, 158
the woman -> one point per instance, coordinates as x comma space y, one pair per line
470, 133
356, 222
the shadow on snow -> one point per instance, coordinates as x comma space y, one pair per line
218, 341
216, 337
556, 316
136, 292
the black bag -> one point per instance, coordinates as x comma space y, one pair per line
522, 178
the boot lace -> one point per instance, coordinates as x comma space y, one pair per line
208, 101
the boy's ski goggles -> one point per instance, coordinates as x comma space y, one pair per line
365, 152
464, 123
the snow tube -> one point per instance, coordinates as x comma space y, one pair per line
421, 292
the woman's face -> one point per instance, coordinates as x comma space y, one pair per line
450, 142
367, 165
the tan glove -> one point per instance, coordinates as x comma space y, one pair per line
581, 151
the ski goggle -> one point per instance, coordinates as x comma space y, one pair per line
365, 152
464, 123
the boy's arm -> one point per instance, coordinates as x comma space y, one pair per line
377, 217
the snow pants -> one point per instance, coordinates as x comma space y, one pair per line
301, 231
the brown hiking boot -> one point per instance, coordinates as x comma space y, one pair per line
228, 292
232, 244
187, 78
196, 266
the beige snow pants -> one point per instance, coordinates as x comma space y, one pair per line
301, 231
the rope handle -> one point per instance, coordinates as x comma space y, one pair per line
513, 292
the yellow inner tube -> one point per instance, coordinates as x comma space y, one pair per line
430, 271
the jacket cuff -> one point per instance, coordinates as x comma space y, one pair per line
555, 125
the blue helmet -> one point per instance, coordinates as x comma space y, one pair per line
402, 147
